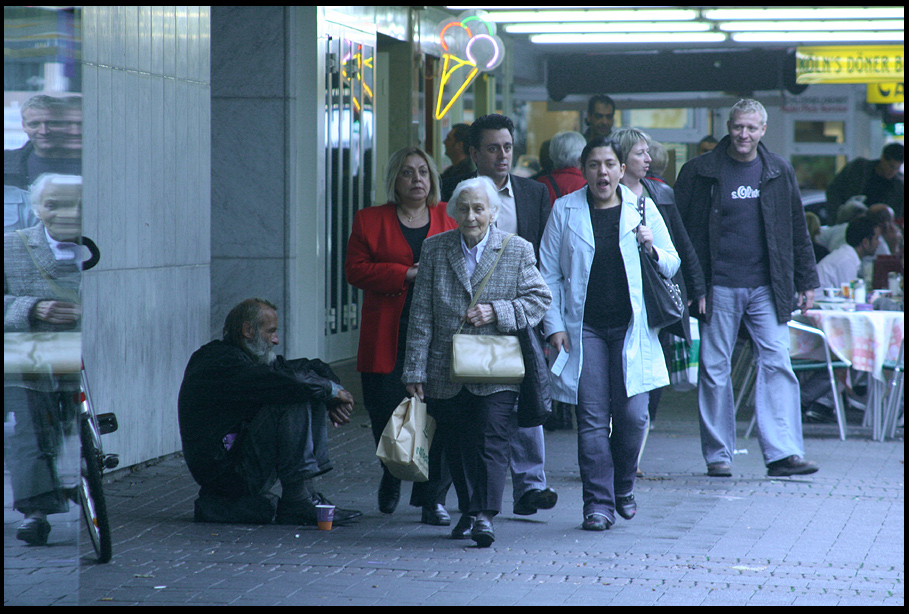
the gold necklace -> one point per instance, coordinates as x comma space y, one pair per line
411, 217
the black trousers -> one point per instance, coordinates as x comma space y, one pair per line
475, 433
382, 392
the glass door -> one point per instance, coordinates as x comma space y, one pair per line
349, 173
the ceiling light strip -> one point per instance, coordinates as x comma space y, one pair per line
805, 13
827, 26
563, 28
563, 15
803, 37
640, 38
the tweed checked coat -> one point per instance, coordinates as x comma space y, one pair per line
24, 286
443, 292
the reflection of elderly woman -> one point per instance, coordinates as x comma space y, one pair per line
382, 258
565, 151
41, 273
476, 421
589, 257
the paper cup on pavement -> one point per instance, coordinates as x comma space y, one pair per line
325, 514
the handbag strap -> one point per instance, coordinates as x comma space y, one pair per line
479, 291
641, 209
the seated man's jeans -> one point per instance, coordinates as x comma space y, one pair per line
283, 442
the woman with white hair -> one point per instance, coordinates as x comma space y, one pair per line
475, 421
565, 152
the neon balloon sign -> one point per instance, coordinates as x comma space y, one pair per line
469, 45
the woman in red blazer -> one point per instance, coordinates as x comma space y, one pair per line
383, 255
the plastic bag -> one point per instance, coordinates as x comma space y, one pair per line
683, 365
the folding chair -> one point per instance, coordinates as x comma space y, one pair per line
893, 402
808, 351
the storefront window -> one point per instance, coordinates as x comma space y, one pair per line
820, 131
666, 119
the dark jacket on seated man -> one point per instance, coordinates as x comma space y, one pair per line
223, 390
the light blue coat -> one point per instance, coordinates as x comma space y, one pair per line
566, 255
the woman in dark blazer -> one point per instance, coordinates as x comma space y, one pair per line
690, 277
383, 256
476, 421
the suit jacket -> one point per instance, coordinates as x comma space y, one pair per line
378, 258
443, 293
531, 200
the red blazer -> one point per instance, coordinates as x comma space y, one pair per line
378, 257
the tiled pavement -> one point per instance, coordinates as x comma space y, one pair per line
833, 538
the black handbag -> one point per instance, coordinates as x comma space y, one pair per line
662, 296
535, 397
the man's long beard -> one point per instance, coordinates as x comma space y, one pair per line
261, 350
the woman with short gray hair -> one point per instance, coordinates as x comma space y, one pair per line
565, 152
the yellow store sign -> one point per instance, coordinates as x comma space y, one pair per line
885, 93
856, 64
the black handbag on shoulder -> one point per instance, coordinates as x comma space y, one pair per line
535, 396
662, 296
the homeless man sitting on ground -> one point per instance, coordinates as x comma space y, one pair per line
249, 417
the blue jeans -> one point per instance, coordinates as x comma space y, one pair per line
608, 459
776, 401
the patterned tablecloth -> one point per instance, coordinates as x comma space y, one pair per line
866, 338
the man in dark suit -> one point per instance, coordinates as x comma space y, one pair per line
526, 206
524, 210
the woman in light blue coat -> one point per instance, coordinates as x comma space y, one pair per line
589, 257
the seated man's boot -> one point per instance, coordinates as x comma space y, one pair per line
243, 510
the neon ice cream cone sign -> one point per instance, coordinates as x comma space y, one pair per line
469, 46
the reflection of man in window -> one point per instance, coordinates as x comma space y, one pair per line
600, 116
879, 180
54, 129
41, 273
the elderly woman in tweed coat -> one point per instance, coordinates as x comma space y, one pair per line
475, 421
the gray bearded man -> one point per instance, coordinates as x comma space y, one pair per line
249, 417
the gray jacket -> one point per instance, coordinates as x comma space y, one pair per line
442, 294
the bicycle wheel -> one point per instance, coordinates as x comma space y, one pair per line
91, 498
